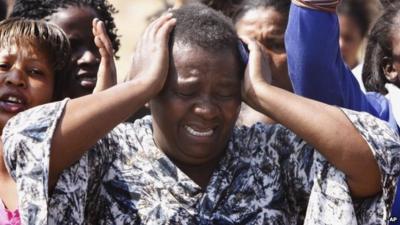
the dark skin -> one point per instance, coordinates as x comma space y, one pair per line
342, 145
26, 80
28, 77
267, 26
76, 21
391, 65
197, 109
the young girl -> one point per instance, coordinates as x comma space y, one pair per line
75, 18
188, 163
33, 58
31, 67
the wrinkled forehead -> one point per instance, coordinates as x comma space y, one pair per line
194, 54
194, 61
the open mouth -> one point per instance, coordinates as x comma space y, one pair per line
87, 80
12, 103
198, 132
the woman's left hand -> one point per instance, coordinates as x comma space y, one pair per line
257, 74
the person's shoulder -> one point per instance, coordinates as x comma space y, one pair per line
130, 134
260, 136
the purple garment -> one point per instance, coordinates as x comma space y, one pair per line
8, 217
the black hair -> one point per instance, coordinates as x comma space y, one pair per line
206, 28
37, 9
3, 9
359, 11
227, 7
281, 6
388, 3
380, 46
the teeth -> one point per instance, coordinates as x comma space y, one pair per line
198, 133
14, 99
89, 78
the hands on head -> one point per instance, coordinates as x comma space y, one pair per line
257, 73
150, 60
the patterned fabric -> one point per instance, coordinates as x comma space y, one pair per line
326, 5
8, 217
267, 176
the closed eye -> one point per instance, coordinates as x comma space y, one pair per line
4, 66
184, 94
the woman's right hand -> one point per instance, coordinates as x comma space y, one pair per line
150, 60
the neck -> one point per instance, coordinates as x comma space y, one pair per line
200, 174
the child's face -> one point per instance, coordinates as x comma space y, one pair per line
26, 80
350, 39
195, 113
76, 21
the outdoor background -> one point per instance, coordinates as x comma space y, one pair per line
131, 20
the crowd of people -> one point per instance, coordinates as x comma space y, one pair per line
233, 112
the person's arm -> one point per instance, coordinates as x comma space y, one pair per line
323, 126
315, 64
87, 119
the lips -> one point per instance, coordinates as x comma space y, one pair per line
87, 79
13, 102
205, 132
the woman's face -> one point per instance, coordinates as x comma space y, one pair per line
76, 21
393, 71
350, 40
26, 80
194, 115
267, 26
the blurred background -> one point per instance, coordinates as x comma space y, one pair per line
131, 20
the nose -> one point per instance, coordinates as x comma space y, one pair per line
88, 58
206, 108
16, 77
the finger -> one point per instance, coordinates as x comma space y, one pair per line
160, 22
102, 34
165, 30
94, 26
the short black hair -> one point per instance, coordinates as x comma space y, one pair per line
281, 6
37, 9
202, 26
206, 28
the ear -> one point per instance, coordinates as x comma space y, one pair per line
390, 72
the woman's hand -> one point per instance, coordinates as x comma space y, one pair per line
257, 74
150, 60
107, 73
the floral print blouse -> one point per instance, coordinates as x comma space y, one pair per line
267, 176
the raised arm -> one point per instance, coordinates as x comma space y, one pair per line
316, 67
87, 119
323, 126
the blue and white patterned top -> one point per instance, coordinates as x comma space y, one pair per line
267, 176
